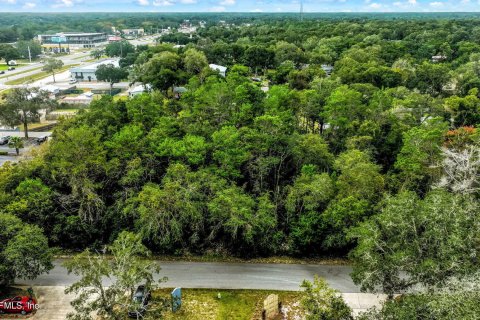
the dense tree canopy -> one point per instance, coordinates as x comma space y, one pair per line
325, 137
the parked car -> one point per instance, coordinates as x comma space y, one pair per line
4, 140
140, 298
41, 139
20, 304
72, 81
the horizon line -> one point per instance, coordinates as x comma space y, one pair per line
250, 12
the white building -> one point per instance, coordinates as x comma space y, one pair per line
138, 32
221, 69
87, 73
135, 91
73, 40
85, 98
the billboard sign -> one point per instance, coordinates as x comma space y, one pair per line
59, 39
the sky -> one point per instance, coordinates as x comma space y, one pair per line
240, 5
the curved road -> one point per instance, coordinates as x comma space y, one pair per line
228, 276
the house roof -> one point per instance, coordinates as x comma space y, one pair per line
218, 68
93, 67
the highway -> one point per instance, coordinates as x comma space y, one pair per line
34, 68
227, 276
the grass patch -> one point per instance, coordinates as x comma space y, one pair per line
38, 76
204, 304
273, 260
66, 110
67, 254
5, 67
34, 126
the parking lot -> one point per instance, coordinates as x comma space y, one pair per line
24, 151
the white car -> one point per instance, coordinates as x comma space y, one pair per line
72, 81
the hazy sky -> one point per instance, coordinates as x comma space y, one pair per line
241, 5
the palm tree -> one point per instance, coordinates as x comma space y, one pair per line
17, 143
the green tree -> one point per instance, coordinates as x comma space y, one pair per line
127, 268
22, 106
195, 61
431, 78
322, 302
111, 74
16, 143
24, 251
8, 52
459, 301
119, 49
258, 57
162, 70
28, 49
51, 65
420, 151
97, 53
414, 241
358, 176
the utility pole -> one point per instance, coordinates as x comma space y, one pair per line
29, 54
301, 10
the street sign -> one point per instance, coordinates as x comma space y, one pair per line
59, 39
176, 299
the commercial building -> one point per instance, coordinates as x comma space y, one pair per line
114, 39
139, 32
87, 73
70, 40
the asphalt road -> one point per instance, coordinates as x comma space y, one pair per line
226, 276
20, 72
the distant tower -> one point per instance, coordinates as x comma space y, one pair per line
301, 10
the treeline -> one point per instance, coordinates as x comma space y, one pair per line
229, 167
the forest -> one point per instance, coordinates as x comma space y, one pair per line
378, 162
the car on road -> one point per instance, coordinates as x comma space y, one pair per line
140, 299
41, 139
4, 140
19, 304
11, 68
2, 72
72, 81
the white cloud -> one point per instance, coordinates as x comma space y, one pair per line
227, 2
218, 9
412, 1
143, 2
29, 5
188, 1
63, 4
9, 1
436, 4
162, 3
375, 5
256, 10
